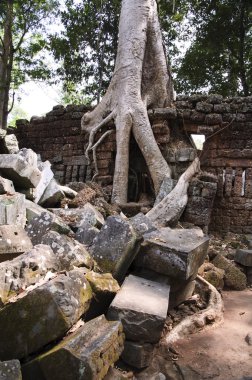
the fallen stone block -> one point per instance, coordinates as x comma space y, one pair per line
233, 278
52, 195
33, 210
10, 370
12, 209
25, 270
138, 355
249, 275
141, 305
69, 253
21, 168
9, 144
86, 234
6, 186
244, 257
141, 224
176, 253
42, 315
46, 177
86, 354
213, 275
115, 248
13, 241
80, 216
44, 223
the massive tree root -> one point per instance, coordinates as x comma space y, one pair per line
140, 80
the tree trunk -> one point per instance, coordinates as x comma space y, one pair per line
141, 80
6, 63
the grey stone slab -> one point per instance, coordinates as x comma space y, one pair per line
21, 168
43, 314
13, 240
244, 257
44, 223
86, 354
52, 195
10, 370
79, 217
249, 275
69, 252
12, 209
6, 186
114, 248
176, 253
86, 234
138, 355
141, 305
46, 177
25, 270
141, 224
33, 210
11, 144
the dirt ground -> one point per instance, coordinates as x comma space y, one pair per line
222, 353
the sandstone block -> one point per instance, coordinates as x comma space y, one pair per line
9, 144
44, 223
10, 370
25, 270
138, 355
176, 253
114, 248
234, 278
86, 354
69, 253
12, 209
6, 186
52, 195
43, 314
46, 177
244, 257
86, 234
13, 241
141, 305
21, 168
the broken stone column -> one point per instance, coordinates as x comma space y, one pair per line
86, 354
13, 241
114, 248
42, 315
12, 209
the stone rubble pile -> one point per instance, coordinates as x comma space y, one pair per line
59, 275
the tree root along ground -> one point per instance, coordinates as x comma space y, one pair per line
222, 353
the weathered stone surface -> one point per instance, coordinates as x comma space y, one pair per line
10, 144
21, 168
40, 225
33, 210
69, 252
10, 370
12, 209
13, 240
46, 177
86, 354
249, 275
166, 187
102, 282
175, 253
234, 278
6, 186
25, 270
52, 195
114, 248
244, 257
141, 305
86, 234
141, 224
42, 315
79, 217
137, 354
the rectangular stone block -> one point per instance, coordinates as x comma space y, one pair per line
141, 305
13, 241
244, 257
6, 186
10, 370
42, 315
176, 253
86, 354
12, 209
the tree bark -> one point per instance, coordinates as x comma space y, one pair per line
140, 81
6, 63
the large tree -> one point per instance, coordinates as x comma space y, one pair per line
21, 39
141, 80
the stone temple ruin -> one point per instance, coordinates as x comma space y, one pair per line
83, 282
